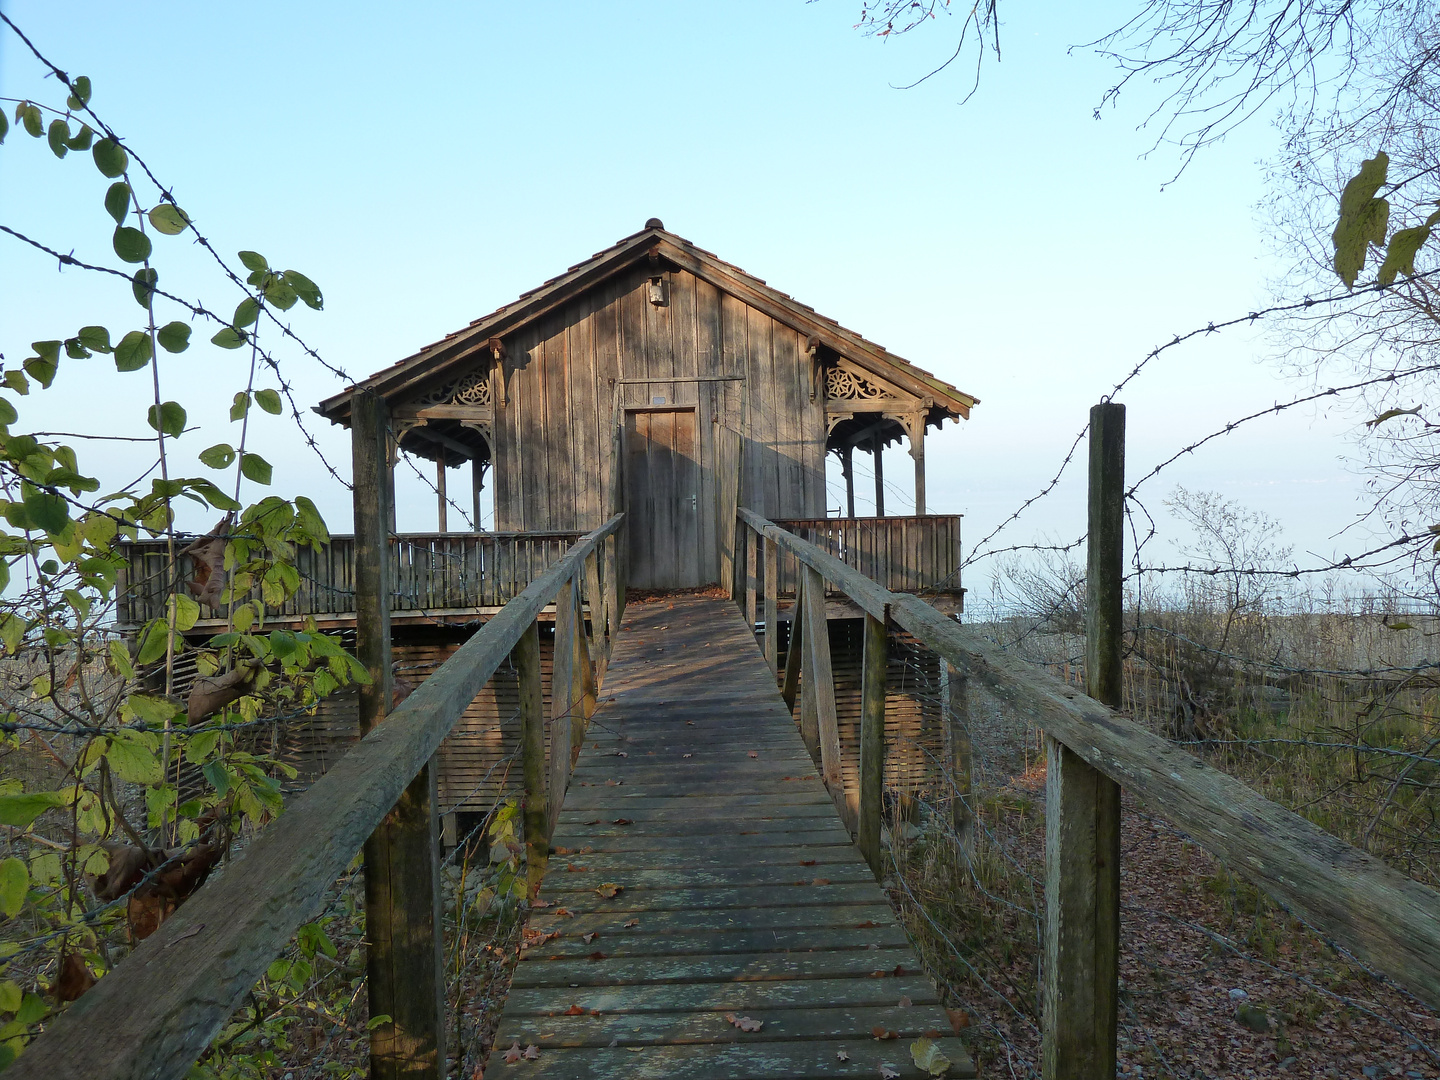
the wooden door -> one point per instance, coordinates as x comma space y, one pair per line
662, 498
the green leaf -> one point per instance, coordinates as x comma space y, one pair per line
174, 336
309, 519
95, 338
10, 993
14, 884
29, 115
80, 93
213, 495
120, 659
4, 127
132, 758
58, 136
928, 1058
152, 646
168, 417
21, 810
219, 779
246, 312
48, 512
256, 468
153, 710
229, 338
280, 295
304, 288
41, 370
219, 456
202, 745
110, 158
187, 611
240, 406
14, 379
1363, 218
75, 349
12, 631
132, 245
82, 139
253, 260
1400, 255
50, 350
169, 218
134, 351
143, 285
269, 400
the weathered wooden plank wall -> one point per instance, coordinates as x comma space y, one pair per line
552, 467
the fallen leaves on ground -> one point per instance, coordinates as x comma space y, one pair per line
588, 938
881, 1032
928, 1058
574, 1010
609, 889
889, 1072
744, 1023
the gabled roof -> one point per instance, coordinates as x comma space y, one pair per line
454, 349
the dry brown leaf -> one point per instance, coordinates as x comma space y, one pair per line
744, 1023
687, 755
513, 1054
597, 955
623, 821
587, 938
632, 922
564, 913
841, 1055
609, 889
889, 1072
532, 1053
881, 1032
574, 1010
807, 862
905, 1002
821, 881
754, 754
574, 869
959, 1019
539, 903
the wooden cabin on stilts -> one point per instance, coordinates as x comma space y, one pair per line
656, 378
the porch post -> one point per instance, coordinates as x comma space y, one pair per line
876, 446
917, 451
846, 460
443, 516
477, 483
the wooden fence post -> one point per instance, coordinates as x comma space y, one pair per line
1082, 806
562, 683
595, 596
795, 649
582, 680
872, 741
526, 658
402, 856
957, 728
772, 605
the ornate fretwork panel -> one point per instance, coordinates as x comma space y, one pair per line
843, 383
473, 389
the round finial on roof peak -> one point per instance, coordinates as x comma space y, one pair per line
654, 223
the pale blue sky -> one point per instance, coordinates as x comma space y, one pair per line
426, 163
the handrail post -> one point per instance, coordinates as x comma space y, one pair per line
1082, 806
562, 685
526, 658
402, 856
872, 741
751, 576
795, 649
772, 606
820, 679
595, 596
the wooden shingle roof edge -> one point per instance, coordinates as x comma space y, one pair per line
453, 349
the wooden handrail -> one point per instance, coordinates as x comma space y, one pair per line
156, 1013
1383, 917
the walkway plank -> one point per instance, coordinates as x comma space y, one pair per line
741, 893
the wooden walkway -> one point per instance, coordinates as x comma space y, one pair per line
740, 894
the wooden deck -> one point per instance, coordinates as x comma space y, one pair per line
740, 890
